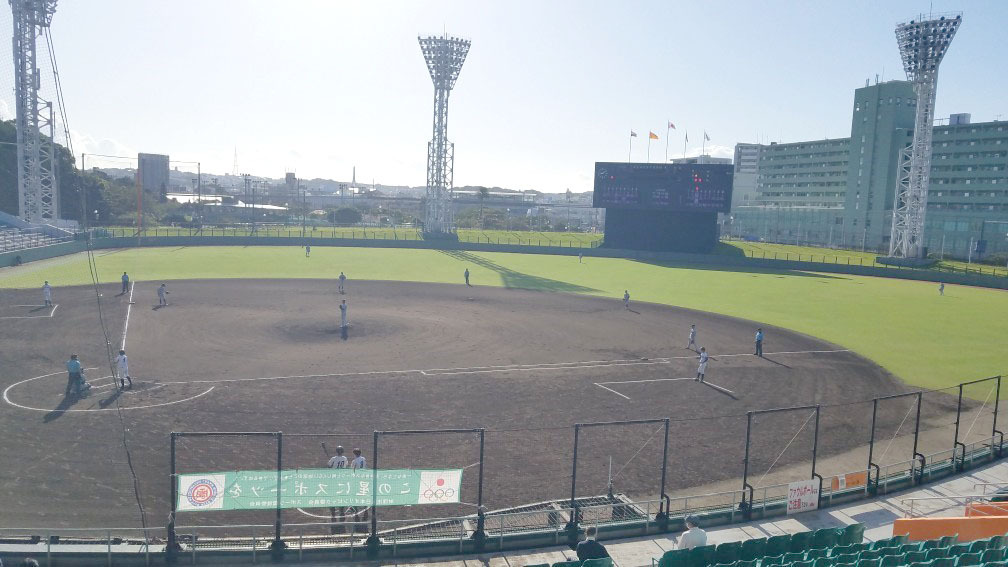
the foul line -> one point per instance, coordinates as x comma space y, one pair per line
49, 316
611, 390
129, 307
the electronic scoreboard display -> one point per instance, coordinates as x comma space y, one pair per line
669, 187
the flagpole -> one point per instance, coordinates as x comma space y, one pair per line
685, 141
703, 146
630, 151
667, 130
649, 147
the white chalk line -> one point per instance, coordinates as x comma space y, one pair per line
642, 381
613, 391
129, 307
6, 397
49, 316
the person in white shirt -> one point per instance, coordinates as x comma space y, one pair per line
47, 293
339, 460
161, 293
358, 461
702, 369
342, 282
342, 315
626, 299
694, 536
692, 337
122, 369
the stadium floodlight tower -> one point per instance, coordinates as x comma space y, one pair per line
37, 191
445, 56
922, 44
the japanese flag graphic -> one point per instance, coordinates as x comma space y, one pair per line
201, 492
440, 487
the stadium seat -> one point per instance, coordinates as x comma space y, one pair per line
539, 565
915, 557
888, 551
876, 562
893, 560
869, 554
701, 556
802, 564
958, 549
844, 550
728, 552
912, 546
800, 541
978, 546
996, 542
792, 556
672, 558
936, 553
845, 558
753, 548
824, 538
823, 562
851, 534
993, 555
943, 562
745, 563
602, 562
772, 560
967, 559
816, 553
567, 564
778, 544
948, 540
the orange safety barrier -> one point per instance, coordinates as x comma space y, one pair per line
969, 529
982, 509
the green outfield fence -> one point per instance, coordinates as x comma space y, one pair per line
942, 432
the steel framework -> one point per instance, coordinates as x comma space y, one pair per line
444, 56
37, 189
922, 45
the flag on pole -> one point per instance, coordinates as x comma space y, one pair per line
652, 135
687, 135
633, 134
671, 126
705, 136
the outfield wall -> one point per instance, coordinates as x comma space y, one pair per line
670, 259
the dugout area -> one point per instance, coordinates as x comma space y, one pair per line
268, 356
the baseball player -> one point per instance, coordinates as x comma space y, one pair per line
342, 282
307, 251
466, 274
343, 314
161, 293
47, 293
626, 299
702, 369
759, 343
941, 288
122, 369
125, 283
580, 257
337, 461
692, 338
75, 376
358, 461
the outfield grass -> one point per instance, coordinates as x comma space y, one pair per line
904, 326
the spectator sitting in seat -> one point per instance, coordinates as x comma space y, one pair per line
694, 536
589, 548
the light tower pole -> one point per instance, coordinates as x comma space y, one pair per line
444, 56
922, 44
37, 191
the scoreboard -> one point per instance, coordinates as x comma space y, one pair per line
701, 188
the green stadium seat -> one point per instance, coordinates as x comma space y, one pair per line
800, 541
601, 562
931, 544
887, 551
900, 539
778, 544
937, 553
701, 556
959, 549
839, 564
893, 560
746, 563
823, 562
993, 555
943, 562
869, 554
824, 538
978, 546
671, 558
844, 549
852, 534
996, 542
814, 553
802, 564
753, 548
772, 560
845, 558
912, 546
792, 556
967, 560
567, 564
922, 564
875, 562
728, 552
996, 564
948, 540
915, 557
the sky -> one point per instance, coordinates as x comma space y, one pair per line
548, 88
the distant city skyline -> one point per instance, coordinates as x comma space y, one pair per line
547, 90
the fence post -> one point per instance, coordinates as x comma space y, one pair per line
373, 542
665, 501
572, 523
172, 548
997, 398
746, 507
480, 535
923, 462
870, 487
278, 546
958, 465
815, 452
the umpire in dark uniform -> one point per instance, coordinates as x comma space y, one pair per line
589, 548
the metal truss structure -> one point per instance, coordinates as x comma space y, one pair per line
922, 44
37, 190
444, 56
